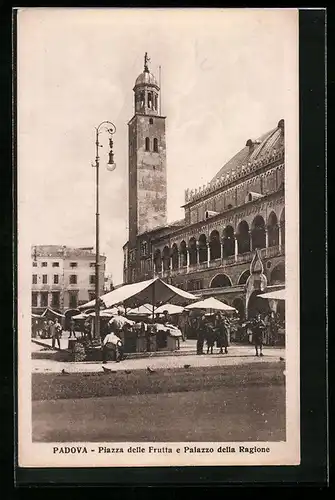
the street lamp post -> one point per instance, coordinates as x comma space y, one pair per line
110, 128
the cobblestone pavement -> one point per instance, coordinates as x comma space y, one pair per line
236, 355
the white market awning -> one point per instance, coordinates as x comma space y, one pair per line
170, 308
276, 295
154, 291
144, 310
211, 303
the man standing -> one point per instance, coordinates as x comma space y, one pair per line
72, 329
55, 333
202, 327
258, 326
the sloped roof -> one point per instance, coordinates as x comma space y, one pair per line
61, 251
263, 146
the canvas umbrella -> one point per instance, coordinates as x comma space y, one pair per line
81, 316
154, 291
276, 295
211, 304
170, 308
105, 313
144, 310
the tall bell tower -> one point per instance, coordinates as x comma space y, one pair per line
147, 158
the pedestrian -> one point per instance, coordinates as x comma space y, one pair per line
72, 328
222, 341
210, 337
54, 332
112, 344
166, 318
182, 320
258, 327
201, 333
45, 330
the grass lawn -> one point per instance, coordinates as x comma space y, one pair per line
235, 403
91, 385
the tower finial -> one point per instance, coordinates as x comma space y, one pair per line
146, 60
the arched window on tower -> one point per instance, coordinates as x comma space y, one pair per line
149, 100
155, 101
147, 144
142, 98
156, 145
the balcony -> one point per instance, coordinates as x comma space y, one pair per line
232, 260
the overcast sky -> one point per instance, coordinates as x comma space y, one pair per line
225, 79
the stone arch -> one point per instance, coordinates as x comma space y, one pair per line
158, 260
243, 237
243, 277
215, 245
202, 248
175, 256
192, 248
258, 232
273, 230
282, 226
228, 241
166, 258
277, 275
239, 305
220, 280
183, 254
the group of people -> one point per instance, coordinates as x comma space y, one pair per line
52, 329
212, 329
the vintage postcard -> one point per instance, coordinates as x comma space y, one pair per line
158, 237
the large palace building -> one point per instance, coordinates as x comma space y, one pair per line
231, 241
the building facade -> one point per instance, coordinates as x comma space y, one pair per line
64, 277
229, 224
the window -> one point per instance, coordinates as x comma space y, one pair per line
55, 301
91, 295
34, 264
56, 279
45, 279
44, 264
73, 264
156, 101
144, 248
156, 145
73, 300
92, 264
92, 279
55, 264
34, 279
34, 299
73, 279
151, 121
149, 100
147, 144
44, 299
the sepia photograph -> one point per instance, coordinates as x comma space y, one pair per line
158, 237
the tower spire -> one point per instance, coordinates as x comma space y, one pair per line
146, 60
